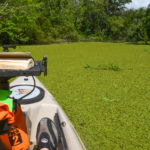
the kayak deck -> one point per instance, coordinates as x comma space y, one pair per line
47, 107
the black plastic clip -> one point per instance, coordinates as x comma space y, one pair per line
6, 46
45, 64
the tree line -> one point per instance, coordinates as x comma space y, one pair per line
46, 21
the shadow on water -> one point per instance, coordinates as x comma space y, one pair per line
138, 43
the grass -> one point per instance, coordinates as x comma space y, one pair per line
109, 109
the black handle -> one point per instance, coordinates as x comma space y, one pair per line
4, 126
45, 65
6, 47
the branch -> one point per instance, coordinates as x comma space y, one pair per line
4, 5
139, 35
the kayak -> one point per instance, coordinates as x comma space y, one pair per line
40, 104
39, 107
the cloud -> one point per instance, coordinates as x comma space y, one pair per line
138, 3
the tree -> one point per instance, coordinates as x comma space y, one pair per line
115, 7
116, 26
90, 17
16, 17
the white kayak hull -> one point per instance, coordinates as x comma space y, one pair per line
47, 107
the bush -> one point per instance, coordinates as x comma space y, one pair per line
55, 33
68, 32
44, 24
34, 34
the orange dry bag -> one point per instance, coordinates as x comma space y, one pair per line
13, 132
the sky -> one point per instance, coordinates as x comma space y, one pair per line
138, 3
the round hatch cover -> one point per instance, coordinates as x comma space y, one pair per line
19, 91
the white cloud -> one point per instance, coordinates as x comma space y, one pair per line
138, 3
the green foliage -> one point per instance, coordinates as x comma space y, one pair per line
137, 25
110, 100
115, 7
68, 32
34, 34
16, 18
116, 27
114, 67
87, 66
53, 20
105, 66
145, 38
44, 24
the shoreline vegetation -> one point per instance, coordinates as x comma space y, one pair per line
27, 22
62, 41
